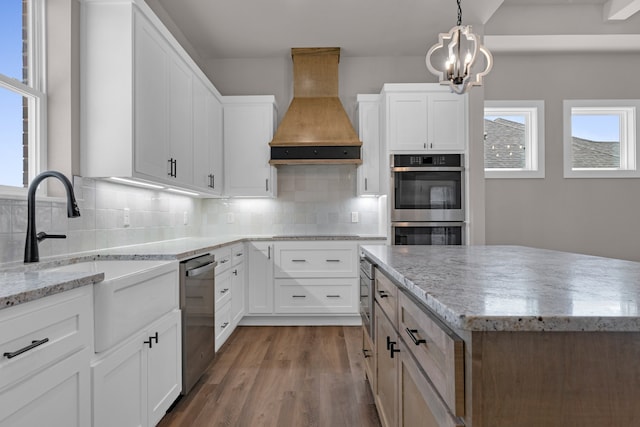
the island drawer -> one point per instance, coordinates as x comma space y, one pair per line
387, 296
322, 259
438, 350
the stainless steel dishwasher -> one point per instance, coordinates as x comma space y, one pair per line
197, 303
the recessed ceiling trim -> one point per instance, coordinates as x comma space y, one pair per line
564, 43
615, 10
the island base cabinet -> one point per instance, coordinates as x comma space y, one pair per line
135, 383
386, 395
57, 396
419, 404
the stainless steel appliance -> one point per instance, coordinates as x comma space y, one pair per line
197, 302
367, 289
427, 199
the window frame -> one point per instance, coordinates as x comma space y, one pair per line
628, 109
35, 92
534, 137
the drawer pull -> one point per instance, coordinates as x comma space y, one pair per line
382, 294
223, 261
415, 340
365, 353
333, 260
31, 346
298, 296
333, 296
392, 349
224, 291
224, 325
298, 260
239, 254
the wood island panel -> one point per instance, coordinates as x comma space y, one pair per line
555, 379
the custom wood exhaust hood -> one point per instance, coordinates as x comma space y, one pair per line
315, 129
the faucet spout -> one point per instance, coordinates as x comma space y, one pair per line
31, 245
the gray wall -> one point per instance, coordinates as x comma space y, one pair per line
592, 216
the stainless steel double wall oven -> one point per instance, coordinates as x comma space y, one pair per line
427, 199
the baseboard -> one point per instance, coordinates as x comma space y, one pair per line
352, 320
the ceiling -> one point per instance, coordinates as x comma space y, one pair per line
259, 28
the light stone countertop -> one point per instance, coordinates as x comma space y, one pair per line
514, 288
20, 283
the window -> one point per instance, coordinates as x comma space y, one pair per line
22, 98
514, 139
600, 139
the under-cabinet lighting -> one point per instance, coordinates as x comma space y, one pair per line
139, 183
188, 193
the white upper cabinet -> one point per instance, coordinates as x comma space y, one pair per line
148, 111
423, 118
369, 131
249, 124
207, 139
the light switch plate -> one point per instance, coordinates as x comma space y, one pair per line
355, 217
126, 217
230, 218
185, 218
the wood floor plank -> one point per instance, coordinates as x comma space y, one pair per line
298, 376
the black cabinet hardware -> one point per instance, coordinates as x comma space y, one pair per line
298, 260
389, 342
235, 272
224, 291
415, 340
333, 260
365, 353
151, 338
298, 296
382, 294
333, 296
393, 349
34, 344
224, 325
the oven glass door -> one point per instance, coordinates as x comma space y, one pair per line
427, 195
428, 234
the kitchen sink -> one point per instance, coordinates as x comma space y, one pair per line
133, 293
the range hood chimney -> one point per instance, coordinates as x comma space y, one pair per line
315, 129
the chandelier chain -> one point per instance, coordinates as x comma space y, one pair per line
459, 13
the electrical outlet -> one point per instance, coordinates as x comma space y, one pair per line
230, 218
185, 218
126, 218
355, 217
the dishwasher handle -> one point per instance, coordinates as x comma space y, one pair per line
201, 270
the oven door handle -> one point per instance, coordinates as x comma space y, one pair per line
427, 169
201, 270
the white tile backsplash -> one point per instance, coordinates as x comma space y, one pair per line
312, 199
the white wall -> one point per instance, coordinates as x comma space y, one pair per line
592, 216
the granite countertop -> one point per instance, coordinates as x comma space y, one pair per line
514, 288
21, 283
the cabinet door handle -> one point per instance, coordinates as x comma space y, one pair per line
268, 252
235, 272
365, 184
424, 145
333, 260
34, 344
383, 294
415, 340
364, 353
389, 342
175, 168
266, 184
150, 342
298, 296
170, 161
392, 349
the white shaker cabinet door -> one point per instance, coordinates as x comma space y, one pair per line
151, 83
207, 139
369, 131
260, 278
407, 125
248, 129
447, 122
180, 120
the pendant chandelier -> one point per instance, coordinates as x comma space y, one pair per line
463, 49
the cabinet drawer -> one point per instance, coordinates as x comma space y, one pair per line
316, 296
387, 296
223, 258
439, 352
420, 403
223, 288
65, 320
237, 254
335, 259
223, 324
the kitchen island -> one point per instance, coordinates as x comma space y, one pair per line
537, 337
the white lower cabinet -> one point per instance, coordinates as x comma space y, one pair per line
137, 381
260, 278
48, 383
318, 296
223, 324
238, 285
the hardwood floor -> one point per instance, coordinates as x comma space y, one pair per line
282, 376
